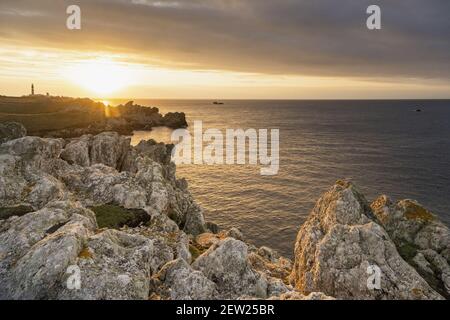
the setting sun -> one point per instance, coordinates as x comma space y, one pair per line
99, 76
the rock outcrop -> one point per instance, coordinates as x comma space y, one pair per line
341, 246
175, 120
117, 217
422, 240
95, 218
65, 117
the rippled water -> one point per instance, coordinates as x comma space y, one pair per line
384, 146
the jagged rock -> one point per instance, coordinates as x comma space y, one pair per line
226, 264
175, 120
273, 266
206, 240
24, 163
77, 151
113, 265
340, 241
233, 233
11, 130
180, 282
47, 185
195, 221
109, 148
422, 240
276, 287
158, 152
37, 248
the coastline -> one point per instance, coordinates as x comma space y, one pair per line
55, 190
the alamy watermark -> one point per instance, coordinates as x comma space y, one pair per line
374, 20
374, 279
74, 280
213, 146
73, 21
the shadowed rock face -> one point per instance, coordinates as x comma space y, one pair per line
137, 244
11, 131
153, 242
340, 241
175, 120
422, 240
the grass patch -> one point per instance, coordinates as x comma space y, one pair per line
115, 217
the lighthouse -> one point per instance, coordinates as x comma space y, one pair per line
32, 89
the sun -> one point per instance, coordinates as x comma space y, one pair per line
99, 76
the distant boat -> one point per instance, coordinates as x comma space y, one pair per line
218, 102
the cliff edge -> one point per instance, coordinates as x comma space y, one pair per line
119, 215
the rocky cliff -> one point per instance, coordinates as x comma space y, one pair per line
120, 216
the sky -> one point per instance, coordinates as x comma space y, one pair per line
226, 49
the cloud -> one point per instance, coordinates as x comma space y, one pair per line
293, 37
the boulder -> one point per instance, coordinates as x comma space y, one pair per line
158, 152
37, 248
113, 265
226, 264
175, 120
178, 281
109, 148
340, 250
77, 151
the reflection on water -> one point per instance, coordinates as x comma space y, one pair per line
384, 146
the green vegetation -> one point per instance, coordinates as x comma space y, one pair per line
42, 114
115, 217
408, 251
195, 252
7, 212
414, 211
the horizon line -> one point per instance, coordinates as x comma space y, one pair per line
231, 99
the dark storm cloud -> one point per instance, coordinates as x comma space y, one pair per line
304, 37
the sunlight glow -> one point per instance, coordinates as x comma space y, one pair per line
99, 76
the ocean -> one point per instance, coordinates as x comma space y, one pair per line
385, 147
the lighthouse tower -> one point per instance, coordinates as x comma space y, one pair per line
32, 89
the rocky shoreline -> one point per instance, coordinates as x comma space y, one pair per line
65, 117
120, 215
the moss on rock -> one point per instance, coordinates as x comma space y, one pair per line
414, 211
115, 217
408, 251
